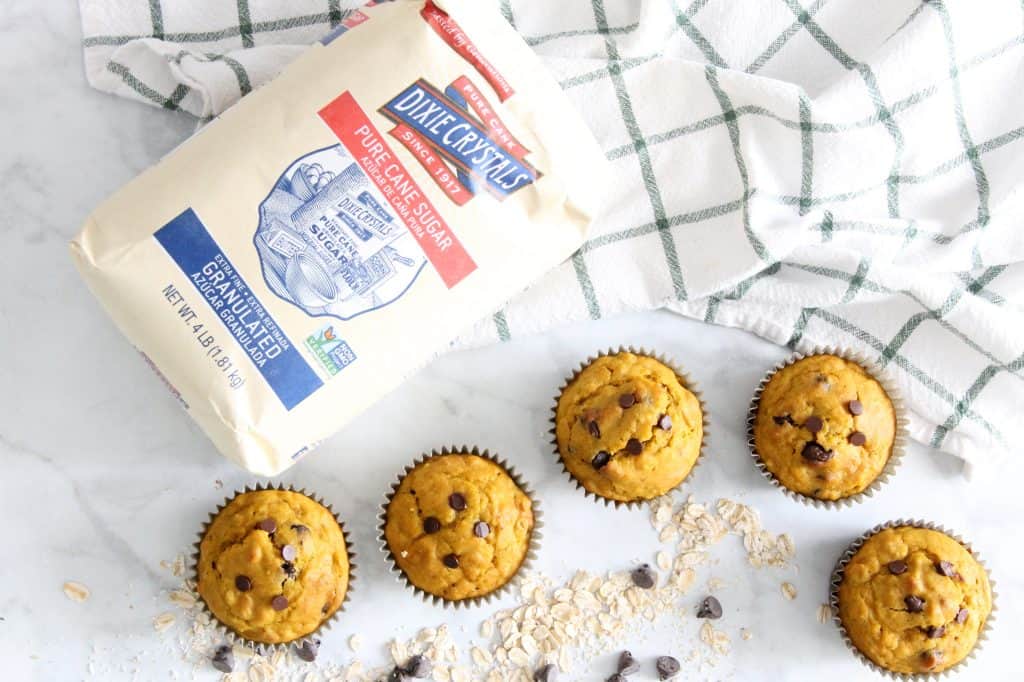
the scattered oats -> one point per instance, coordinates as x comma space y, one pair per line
182, 598
824, 613
789, 591
76, 591
481, 657
163, 621
518, 657
664, 561
746, 634
487, 629
668, 533
715, 584
355, 642
461, 675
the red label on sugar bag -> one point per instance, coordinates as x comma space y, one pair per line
441, 173
452, 33
371, 151
498, 132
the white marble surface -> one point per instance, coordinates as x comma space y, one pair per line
102, 476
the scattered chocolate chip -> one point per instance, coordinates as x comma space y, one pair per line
307, 649
279, 603
481, 529
418, 667
627, 400
855, 407
267, 525
935, 631
457, 501
665, 422
288, 552
914, 604
815, 453
299, 528
961, 616
857, 438
667, 667
813, 424
243, 583
600, 460
709, 608
325, 608
223, 659
289, 569
546, 673
644, 576
594, 429
627, 664
930, 659
946, 568
898, 567
779, 421
396, 675
634, 446
617, 677
431, 525
451, 560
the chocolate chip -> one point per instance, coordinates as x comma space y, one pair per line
914, 604
946, 568
709, 608
627, 664
935, 631
600, 460
243, 583
451, 560
664, 422
418, 667
898, 567
299, 528
279, 603
223, 659
546, 673
594, 429
779, 421
307, 649
857, 438
627, 400
289, 569
930, 659
431, 525
396, 675
855, 407
667, 667
815, 453
288, 552
481, 529
324, 609
813, 424
644, 576
617, 677
268, 525
634, 446
961, 616
457, 501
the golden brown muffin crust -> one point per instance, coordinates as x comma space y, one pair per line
485, 556
914, 600
636, 411
243, 567
808, 404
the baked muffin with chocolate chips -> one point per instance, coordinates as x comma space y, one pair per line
914, 600
273, 565
627, 428
458, 526
824, 427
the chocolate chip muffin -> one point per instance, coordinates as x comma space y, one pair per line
273, 565
458, 526
824, 427
914, 600
627, 428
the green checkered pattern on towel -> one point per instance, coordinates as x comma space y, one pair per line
844, 172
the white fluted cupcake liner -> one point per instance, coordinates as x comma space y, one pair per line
891, 389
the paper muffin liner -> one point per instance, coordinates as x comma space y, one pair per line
899, 439
265, 648
532, 547
837, 578
684, 378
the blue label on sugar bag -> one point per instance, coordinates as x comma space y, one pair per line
193, 248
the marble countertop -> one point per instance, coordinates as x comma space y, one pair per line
102, 476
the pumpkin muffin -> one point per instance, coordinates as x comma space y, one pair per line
824, 427
627, 428
458, 526
914, 600
273, 565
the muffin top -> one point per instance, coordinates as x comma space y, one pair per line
458, 526
273, 565
627, 429
824, 427
914, 600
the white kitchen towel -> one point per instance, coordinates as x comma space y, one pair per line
844, 172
